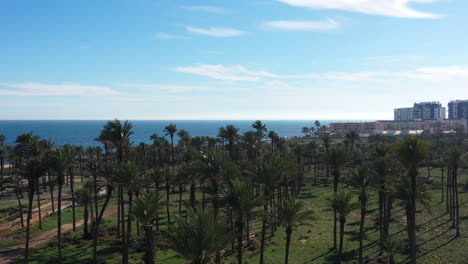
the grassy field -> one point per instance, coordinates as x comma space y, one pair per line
310, 244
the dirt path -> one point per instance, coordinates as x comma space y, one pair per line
43, 238
46, 210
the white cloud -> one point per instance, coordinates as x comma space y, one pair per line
209, 9
162, 35
42, 89
448, 74
392, 8
169, 88
221, 72
298, 25
216, 31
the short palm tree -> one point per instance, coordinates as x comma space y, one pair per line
146, 212
342, 203
352, 137
198, 237
85, 197
260, 129
292, 213
238, 196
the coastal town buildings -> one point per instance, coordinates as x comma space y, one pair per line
421, 111
403, 114
458, 109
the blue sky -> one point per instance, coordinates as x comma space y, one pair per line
223, 59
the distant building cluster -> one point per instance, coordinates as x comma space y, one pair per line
421, 111
424, 117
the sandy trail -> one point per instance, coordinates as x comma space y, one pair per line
43, 238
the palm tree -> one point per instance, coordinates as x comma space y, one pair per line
455, 158
260, 129
238, 196
119, 134
342, 203
169, 176
337, 159
232, 136
274, 138
128, 176
361, 180
85, 197
292, 213
146, 212
170, 131
317, 125
411, 151
268, 173
60, 163
305, 131
184, 137
198, 237
71, 153
352, 137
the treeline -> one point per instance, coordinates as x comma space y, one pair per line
228, 179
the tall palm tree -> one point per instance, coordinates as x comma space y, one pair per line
198, 237
238, 196
342, 203
361, 180
268, 173
128, 176
171, 131
60, 163
317, 125
169, 176
305, 131
411, 151
292, 213
184, 137
119, 134
274, 139
71, 153
337, 159
455, 158
146, 212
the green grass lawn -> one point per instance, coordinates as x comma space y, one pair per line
310, 244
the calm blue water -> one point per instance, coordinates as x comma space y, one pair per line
84, 132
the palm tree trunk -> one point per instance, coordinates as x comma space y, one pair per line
192, 195
457, 204
122, 221
264, 222
129, 225
149, 255
240, 229
288, 243
72, 189
85, 216
39, 206
340, 250
20, 206
98, 221
180, 198
168, 188
361, 226
28, 221
59, 223
442, 185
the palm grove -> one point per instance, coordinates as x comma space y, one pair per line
228, 185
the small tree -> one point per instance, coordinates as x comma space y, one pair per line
292, 213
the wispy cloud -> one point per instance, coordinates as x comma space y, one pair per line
169, 88
392, 8
163, 35
43, 89
301, 25
209, 9
225, 73
219, 32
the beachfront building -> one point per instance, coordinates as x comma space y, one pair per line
458, 109
403, 114
428, 111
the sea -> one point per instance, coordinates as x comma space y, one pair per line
84, 132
